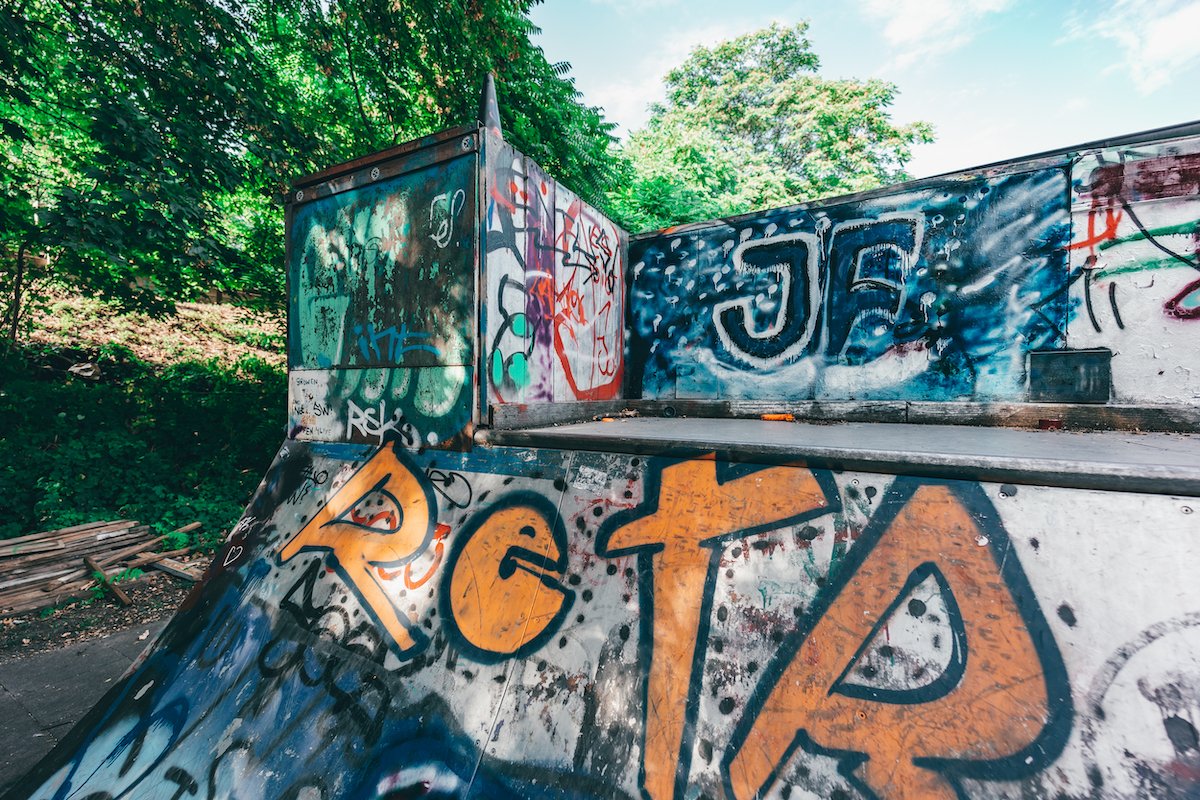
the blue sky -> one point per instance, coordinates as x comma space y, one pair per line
996, 78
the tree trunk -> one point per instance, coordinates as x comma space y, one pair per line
15, 310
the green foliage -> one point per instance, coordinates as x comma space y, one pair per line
749, 124
684, 173
144, 144
371, 73
169, 447
139, 119
126, 575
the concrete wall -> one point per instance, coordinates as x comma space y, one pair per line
937, 290
1135, 259
397, 268
518, 623
382, 305
554, 315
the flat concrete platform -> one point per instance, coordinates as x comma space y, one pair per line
42, 696
1157, 463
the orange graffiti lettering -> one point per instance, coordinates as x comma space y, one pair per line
694, 511
382, 518
905, 732
501, 594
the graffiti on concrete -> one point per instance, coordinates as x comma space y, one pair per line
693, 509
377, 273
381, 519
932, 293
1135, 267
381, 328
555, 278
422, 406
519, 623
956, 677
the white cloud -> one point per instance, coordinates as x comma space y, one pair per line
922, 28
626, 94
1157, 38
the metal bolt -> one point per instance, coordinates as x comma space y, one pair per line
466, 143
375, 173
300, 194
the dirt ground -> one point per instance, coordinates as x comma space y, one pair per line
197, 331
50, 629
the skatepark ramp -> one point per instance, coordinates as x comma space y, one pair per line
530, 535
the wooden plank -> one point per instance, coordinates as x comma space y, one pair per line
106, 582
29, 537
67, 593
76, 531
108, 560
133, 549
175, 568
76, 549
74, 555
34, 547
86, 539
33, 600
34, 578
146, 559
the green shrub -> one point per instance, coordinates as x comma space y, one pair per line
167, 446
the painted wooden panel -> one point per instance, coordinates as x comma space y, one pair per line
930, 293
1135, 268
383, 275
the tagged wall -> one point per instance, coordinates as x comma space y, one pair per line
929, 294
555, 278
938, 291
521, 623
1135, 267
382, 301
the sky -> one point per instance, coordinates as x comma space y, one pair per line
997, 79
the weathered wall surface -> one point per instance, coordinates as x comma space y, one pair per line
555, 276
515, 623
937, 292
1135, 267
382, 308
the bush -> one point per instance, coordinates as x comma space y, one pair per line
165, 446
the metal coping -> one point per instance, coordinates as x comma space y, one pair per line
1152, 463
354, 165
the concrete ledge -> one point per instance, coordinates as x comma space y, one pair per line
1154, 463
1174, 419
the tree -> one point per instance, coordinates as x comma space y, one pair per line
749, 123
376, 72
145, 144
133, 122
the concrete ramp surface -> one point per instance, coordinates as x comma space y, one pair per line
436, 593
543, 623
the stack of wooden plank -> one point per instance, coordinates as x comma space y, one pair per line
44, 569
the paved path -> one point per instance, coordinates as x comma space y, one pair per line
42, 696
